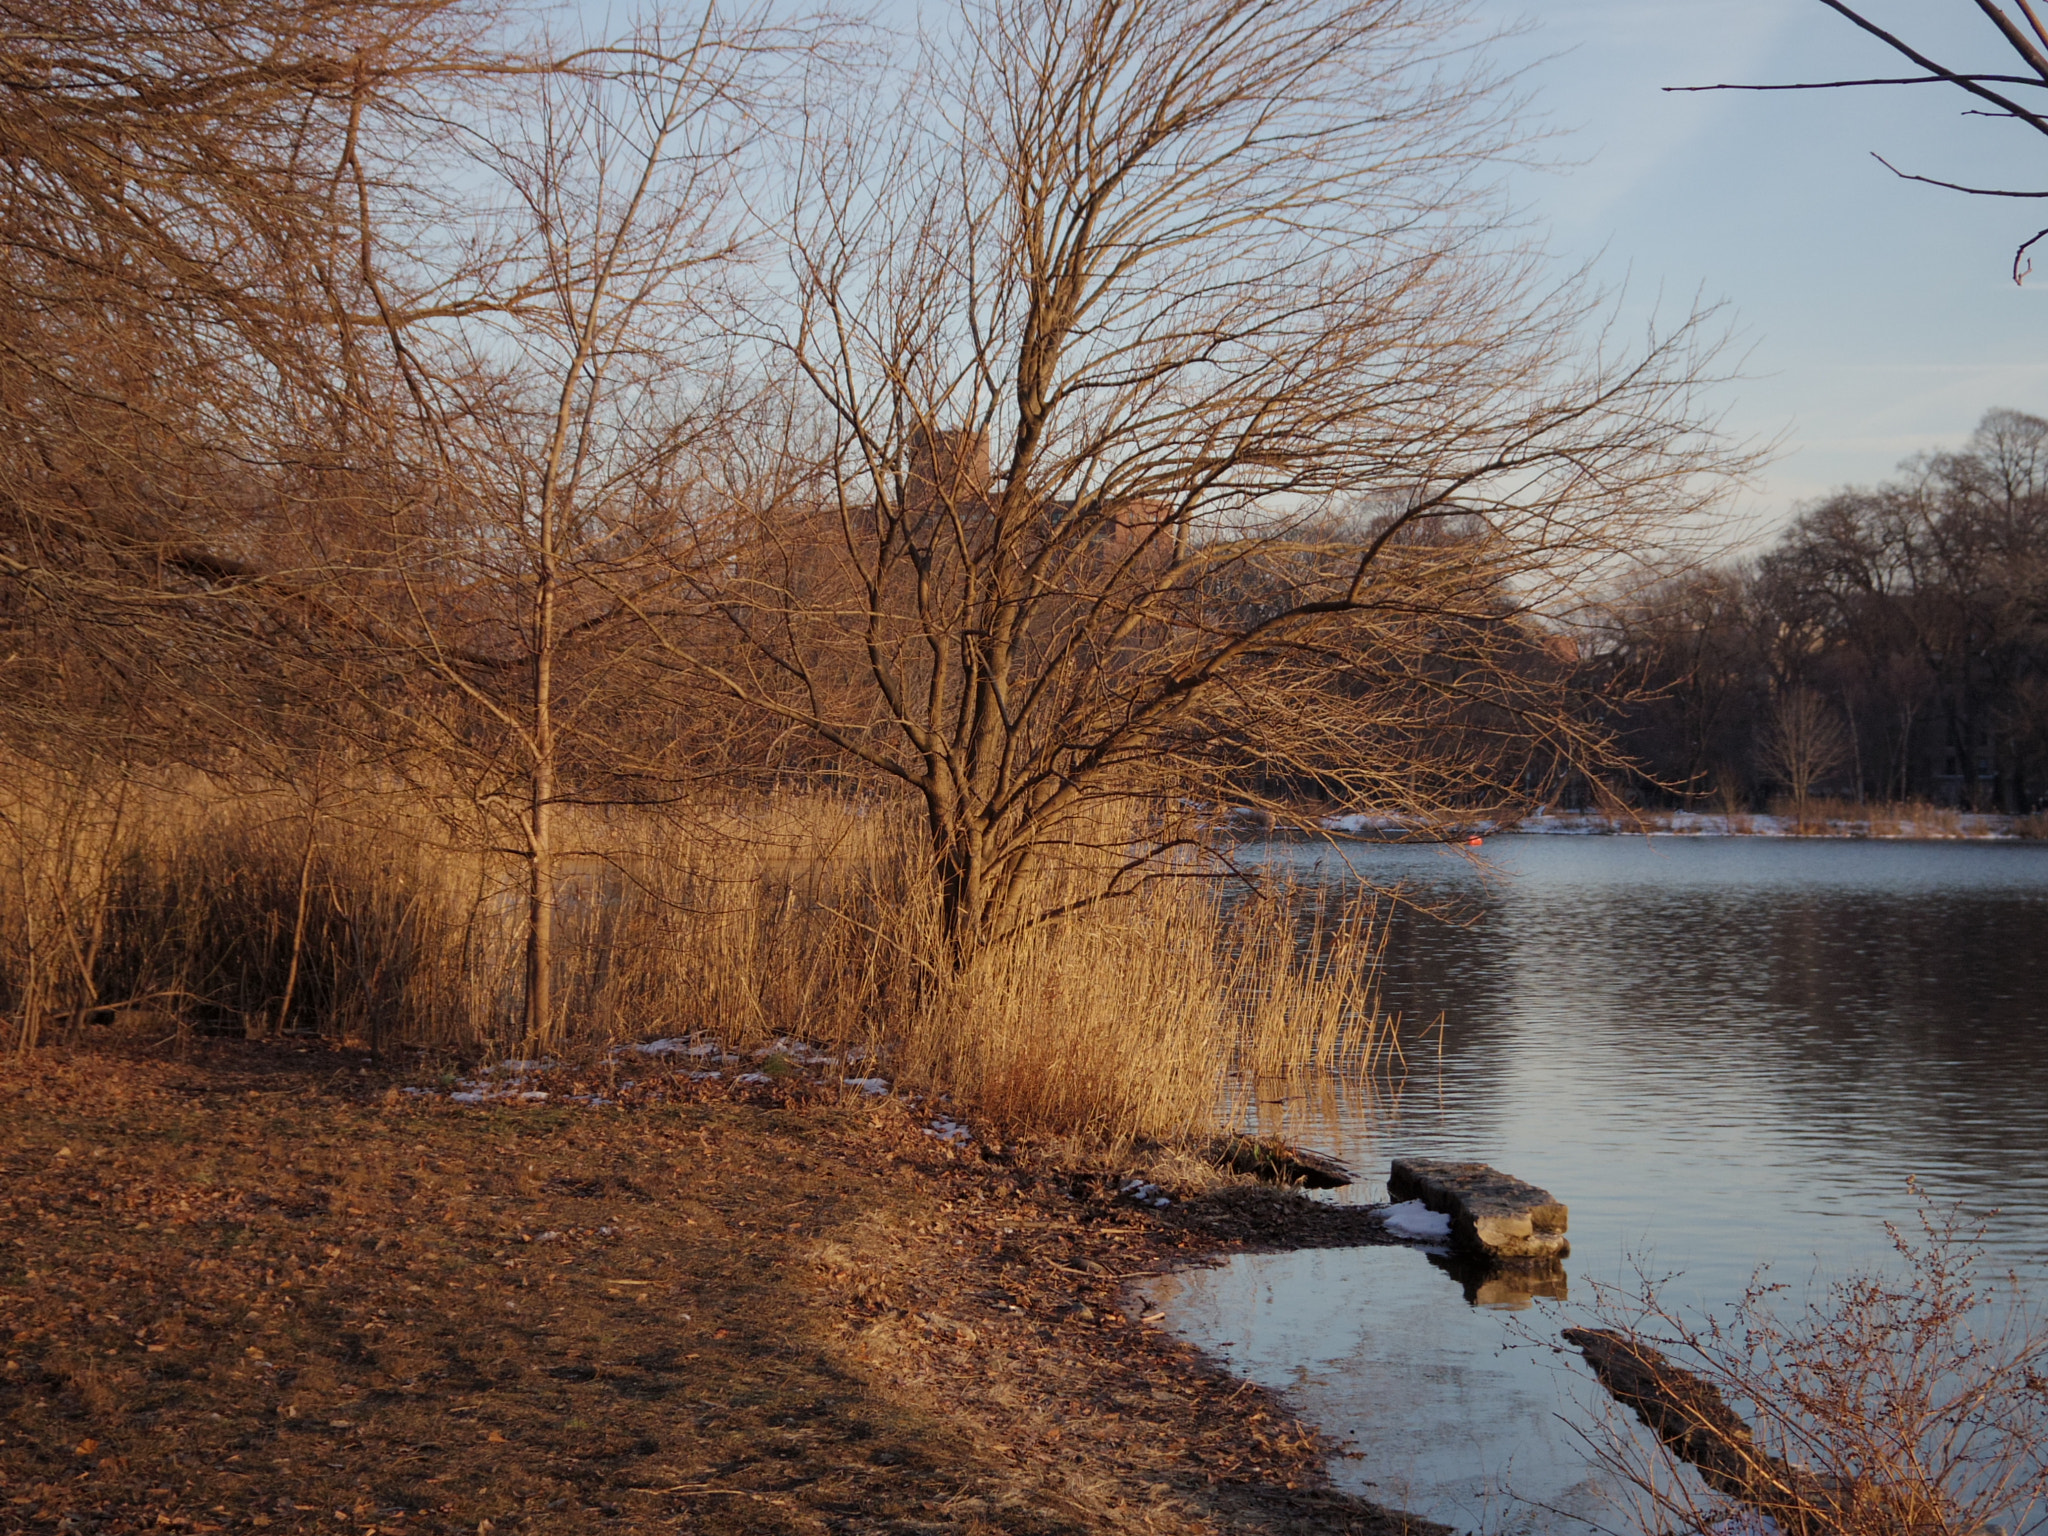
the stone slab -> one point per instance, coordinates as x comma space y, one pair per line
1493, 1215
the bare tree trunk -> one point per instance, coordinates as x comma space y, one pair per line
291, 974
540, 865
1855, 744
31, 992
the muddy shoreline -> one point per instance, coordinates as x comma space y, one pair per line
265, 1288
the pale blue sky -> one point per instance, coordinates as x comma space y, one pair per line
1880, 317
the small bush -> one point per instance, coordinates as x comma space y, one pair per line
1907, 1403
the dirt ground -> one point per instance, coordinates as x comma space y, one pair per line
264, 1288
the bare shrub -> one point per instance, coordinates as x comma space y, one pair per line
1903, 818
1908, 1401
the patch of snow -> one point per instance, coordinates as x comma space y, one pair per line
1364, 821
1745, 1522
1416, 1221
699, 1077
753, 1077
1145, 1194
950, 1131
802, 1052
468, 1098
876, 1085
673, 1046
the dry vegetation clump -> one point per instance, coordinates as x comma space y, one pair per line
2034, 828
1131, 1020
386, 919
259, 1289
1912, 1402
1903, 819
160, 907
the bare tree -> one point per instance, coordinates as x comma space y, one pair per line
187, 275
482, 605
1804, 743
359, 351
1176, 423
2007, 96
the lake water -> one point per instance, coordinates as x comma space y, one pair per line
1718, 1052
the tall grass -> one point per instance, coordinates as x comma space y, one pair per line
381, 919
177, 905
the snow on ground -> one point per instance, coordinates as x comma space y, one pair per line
1546, 822
1359, 822
519, 1081
1745, 1522
802, 1053
1415, 1221
671, 1047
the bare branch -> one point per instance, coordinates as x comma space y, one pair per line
1950, 185
1842, 85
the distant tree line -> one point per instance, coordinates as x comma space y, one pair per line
1891, 645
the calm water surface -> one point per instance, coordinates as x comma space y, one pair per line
1718, 1052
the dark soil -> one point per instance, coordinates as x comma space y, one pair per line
262, 1288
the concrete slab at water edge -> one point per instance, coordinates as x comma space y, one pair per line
1493, 1215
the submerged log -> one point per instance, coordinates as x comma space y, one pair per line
1278, 1163
1493, 1216
1692, 1419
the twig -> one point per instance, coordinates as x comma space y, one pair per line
1840, 85
1952, 186
707, 1490
2019, 273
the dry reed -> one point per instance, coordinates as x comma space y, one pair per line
176, 904
1886, 819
